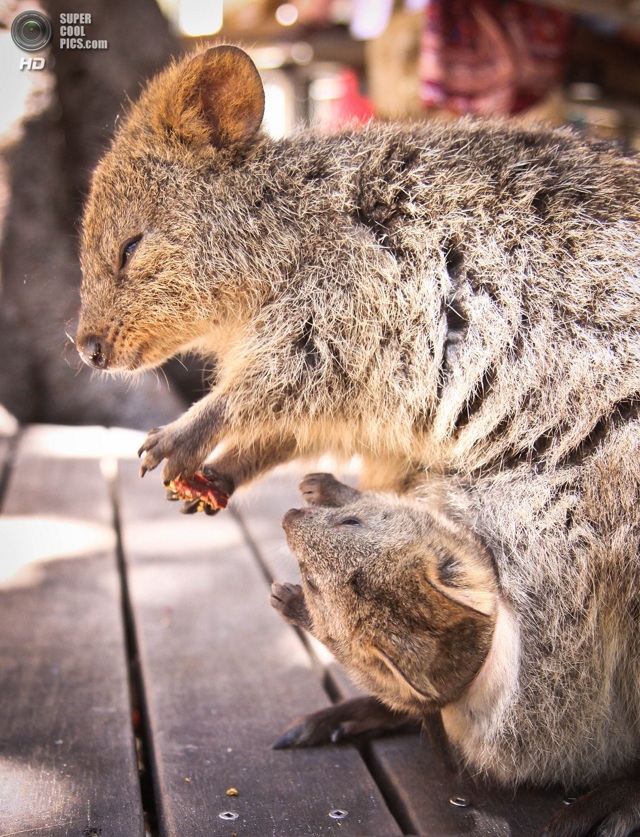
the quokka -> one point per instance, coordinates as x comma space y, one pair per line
456, 297
505, 607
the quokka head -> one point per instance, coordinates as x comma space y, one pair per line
405, 599
155, 267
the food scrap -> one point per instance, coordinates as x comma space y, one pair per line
233, 792
199, 493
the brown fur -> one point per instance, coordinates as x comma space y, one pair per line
460, 297
404, 597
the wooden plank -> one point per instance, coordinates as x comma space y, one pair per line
223, 675
419, 790
56, 473
67, 752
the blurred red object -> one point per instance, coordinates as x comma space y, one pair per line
490, 56
352, 106
336, 102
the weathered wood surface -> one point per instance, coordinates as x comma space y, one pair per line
67, 759
222, 675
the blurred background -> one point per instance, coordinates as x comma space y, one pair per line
325, 63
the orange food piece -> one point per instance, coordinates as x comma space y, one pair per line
208, 492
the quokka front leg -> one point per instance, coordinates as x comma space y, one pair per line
363, 717
216, 481
186, 442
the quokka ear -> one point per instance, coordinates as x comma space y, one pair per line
216, 98
440, 647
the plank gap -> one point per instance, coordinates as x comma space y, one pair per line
251, 543
332, 690
8, 448
139, 713
393, 799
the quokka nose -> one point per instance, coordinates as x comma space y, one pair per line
94, 350
292, 515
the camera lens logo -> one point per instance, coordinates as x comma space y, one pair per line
31, 31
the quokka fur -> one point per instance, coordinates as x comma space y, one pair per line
458, 297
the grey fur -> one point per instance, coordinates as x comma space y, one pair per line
458, 297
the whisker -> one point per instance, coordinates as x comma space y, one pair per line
166, 378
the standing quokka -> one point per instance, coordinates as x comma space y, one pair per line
479, 600
462, 297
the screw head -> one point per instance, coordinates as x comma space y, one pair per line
460, 801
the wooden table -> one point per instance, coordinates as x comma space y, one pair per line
143, 674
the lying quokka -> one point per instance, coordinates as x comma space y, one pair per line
460, 297
524, 638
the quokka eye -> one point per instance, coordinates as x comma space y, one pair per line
311, 584
128, 249
350, 521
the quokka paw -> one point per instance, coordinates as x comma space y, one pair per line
288, 600
173, 443
325, 490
